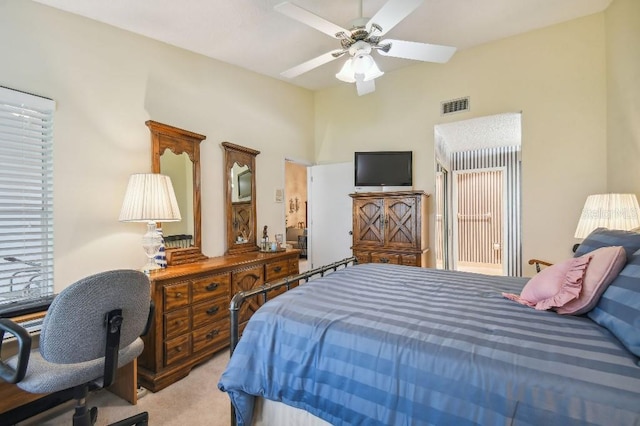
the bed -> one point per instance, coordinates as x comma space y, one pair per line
380, 344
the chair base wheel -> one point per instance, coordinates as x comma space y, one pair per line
141, 419
84, 417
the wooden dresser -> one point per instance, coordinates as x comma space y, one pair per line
191, 319
391, 227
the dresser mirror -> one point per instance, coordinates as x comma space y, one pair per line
180, 169
240, 201
176, 153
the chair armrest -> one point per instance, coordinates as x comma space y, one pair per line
539, 263
23, 337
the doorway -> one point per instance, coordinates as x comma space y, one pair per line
296, 214
477, 195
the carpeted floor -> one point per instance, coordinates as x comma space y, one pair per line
194, 400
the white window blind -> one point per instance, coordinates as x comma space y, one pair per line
26, 196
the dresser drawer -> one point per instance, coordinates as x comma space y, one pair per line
177, 349
207, 312
294, 269
211, 337
275, 293
362, 256
176, 296
385, 258
294, 266
176, 323
210, 287
410, 260
276, 270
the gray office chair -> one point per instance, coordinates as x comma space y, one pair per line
91, 328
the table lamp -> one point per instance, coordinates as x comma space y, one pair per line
611, 211
150, 198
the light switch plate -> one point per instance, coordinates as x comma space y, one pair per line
279, 195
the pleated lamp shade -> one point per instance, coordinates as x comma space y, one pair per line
611, 211
150, 197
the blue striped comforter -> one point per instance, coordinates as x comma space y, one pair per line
381, 344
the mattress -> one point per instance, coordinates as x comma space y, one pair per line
383, 344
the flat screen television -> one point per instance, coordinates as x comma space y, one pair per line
244, 184
383, 168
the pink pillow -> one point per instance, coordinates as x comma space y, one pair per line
555, 285
606, 263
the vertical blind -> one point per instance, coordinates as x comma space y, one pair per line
26, 196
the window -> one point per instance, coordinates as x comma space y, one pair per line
26, 196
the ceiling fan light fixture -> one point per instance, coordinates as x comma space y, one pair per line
362, 63
346, 74
364, 36
361, 67
373, 72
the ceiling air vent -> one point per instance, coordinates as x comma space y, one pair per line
454, 105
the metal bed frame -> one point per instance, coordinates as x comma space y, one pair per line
239, 298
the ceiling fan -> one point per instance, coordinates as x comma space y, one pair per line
361, 40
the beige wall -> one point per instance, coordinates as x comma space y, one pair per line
555, 76
107, 83
623, 89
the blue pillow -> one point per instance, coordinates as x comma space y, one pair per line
618, 310
603, 237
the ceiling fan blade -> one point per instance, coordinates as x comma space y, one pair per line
309, 65
365, 87
392, 13
418, 51
311, 19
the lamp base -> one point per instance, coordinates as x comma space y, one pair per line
151, 265
151, 242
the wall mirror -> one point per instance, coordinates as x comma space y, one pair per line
176, 153
240, 204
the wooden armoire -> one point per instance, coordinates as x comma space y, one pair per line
391, 227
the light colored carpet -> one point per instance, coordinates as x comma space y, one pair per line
194, 400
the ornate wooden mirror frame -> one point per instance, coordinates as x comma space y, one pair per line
239, 163
180, 141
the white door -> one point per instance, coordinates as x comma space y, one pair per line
330, 222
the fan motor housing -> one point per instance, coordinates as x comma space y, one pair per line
359, 33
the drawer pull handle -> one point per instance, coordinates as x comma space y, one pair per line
213, 334
178, 295
277, 268
213, 310
179, 349
384, 260
178, 322
211, 287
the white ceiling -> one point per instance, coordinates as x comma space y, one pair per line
250, 34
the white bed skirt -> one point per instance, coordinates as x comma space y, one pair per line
272, 413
